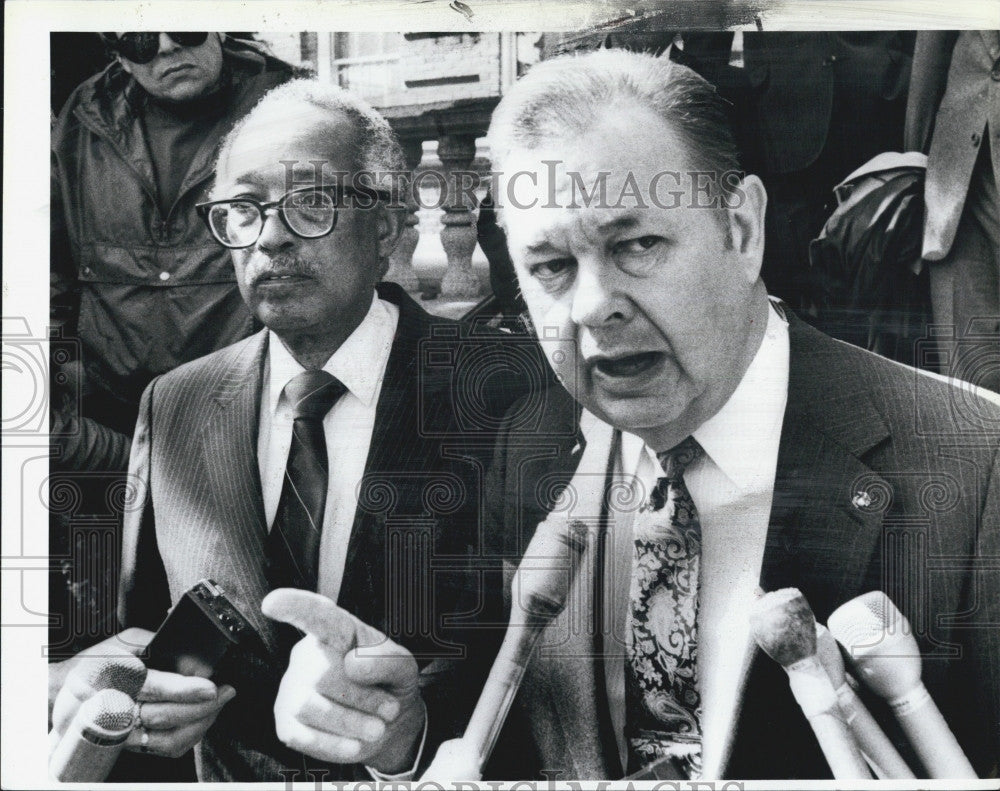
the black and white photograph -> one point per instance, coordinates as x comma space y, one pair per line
457, 394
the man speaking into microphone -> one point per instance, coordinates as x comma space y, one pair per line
321, 472
736, 447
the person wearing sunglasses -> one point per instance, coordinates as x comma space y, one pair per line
136, 277
174, 67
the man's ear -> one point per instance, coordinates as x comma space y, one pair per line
124, 64
747, 203
389, 226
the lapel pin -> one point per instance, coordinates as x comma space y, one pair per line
861, 500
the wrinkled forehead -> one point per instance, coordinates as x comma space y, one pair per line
627, 149
548, 197
290, 144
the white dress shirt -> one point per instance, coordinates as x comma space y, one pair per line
732, 485
360, 364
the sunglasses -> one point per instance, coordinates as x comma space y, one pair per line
141, 48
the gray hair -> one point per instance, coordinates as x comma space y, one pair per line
561, 96
379, 150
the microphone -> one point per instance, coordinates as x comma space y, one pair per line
879, 640
123, 672
784, 627
94, 739
875, 746
539, 591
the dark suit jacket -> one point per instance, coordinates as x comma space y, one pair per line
803, 94
953, 109
199, 513
930, 537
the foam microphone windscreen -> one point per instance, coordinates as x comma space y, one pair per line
784, 626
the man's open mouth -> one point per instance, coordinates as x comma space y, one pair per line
630, 365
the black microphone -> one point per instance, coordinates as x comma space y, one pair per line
94, 739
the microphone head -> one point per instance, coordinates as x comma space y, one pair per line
549, 566
829, 656
123, 672
784, 626
108, 716
880, 642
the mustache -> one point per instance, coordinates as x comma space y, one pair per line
282, 265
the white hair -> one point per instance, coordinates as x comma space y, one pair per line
379, 150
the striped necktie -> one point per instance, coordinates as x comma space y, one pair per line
293, 545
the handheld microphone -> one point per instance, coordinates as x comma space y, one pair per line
784, 627
94, 739
875, 746
123, 672
879, 640
539, 591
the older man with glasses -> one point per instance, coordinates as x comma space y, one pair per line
325, 472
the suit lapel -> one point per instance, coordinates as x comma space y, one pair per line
824, 530
567, 676
396, 450
827, 510
229, 445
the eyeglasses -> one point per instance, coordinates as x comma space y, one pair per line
141, 48
308, 212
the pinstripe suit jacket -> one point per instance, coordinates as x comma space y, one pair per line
926, 455
199, 513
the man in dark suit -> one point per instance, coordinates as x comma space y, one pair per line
722, 445
953, 115
335, 459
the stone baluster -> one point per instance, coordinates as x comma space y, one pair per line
458, 234
401, 269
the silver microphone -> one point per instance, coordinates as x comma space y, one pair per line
880, 642
875, 746
94, 739
539, 591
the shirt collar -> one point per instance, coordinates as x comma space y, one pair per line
359, 363
742, 438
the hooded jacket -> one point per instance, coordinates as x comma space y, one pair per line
142, 289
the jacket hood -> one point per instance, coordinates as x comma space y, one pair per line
112, 98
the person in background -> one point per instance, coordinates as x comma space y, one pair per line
953, 115
135, 277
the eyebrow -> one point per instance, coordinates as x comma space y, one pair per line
618, 224
541, 248
248, 180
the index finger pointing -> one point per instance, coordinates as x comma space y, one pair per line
316, 615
